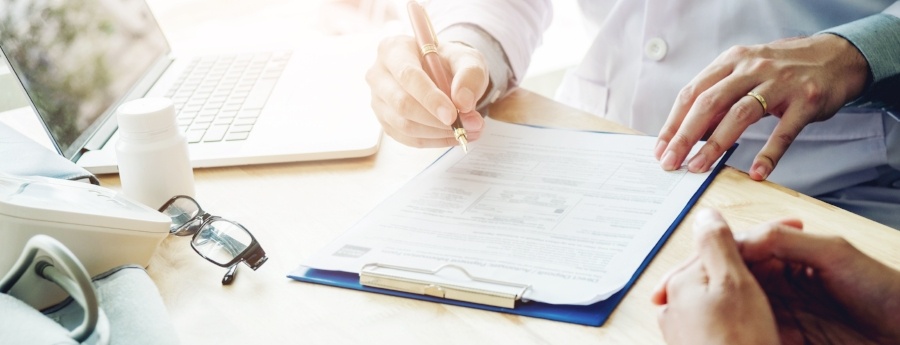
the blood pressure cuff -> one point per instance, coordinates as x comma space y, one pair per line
127, 296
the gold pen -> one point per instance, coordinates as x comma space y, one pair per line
427, 41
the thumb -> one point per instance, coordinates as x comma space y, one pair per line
717, 249
470, 75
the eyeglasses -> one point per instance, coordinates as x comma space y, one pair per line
221, 241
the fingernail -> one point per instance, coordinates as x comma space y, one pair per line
698, 163
705, 216
660, 146
660, 285
762, 172
466, 100
472, 120
445, 115
668, 161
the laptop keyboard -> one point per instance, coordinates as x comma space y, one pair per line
220, 97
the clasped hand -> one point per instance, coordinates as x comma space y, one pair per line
777, 284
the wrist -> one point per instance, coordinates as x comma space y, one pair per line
850, 65
877, 38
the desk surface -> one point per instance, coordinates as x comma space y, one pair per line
295, 209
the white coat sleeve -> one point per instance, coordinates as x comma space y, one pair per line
506, 32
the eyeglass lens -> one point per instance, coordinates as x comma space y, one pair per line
184, 212
220, 241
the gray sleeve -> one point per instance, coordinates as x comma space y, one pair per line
877, 37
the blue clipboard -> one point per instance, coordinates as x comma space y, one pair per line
590, 315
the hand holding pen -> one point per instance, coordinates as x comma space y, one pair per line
414, 108
427, 42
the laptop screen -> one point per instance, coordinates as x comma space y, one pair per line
77, 58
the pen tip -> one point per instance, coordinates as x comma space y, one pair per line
460, 134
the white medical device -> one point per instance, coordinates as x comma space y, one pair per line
101, 227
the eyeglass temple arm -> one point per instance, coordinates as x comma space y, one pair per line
229, 275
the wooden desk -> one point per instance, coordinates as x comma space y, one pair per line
295, 209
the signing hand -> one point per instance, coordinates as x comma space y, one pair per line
713, 299
801, 80
822, 289
410, 106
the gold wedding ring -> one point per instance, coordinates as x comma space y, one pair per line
762, 101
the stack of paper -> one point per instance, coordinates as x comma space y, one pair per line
572, 215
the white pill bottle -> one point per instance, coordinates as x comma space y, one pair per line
152, 153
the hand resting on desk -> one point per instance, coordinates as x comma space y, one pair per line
798, 80
777, 283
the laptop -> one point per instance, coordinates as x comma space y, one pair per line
78, 60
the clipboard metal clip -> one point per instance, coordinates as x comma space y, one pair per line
437, 284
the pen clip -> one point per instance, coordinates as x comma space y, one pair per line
422, 22
430, 28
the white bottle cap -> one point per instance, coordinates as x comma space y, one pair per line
146, 115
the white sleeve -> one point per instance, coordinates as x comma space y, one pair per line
517, 25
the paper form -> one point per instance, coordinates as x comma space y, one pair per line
571, 214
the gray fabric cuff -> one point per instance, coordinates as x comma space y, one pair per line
500, 74
131, 300
877, 37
